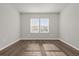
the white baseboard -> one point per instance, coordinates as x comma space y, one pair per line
9, 44
69, 44
39, 38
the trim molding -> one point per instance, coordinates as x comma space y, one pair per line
9, 44
39, 38
69, 44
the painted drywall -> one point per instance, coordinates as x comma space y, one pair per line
9, 25
53, 25
69, 25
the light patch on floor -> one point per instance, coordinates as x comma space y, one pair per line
55, 54
32, 46
32, 54
50, 47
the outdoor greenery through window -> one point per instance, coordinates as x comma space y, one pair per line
39, 25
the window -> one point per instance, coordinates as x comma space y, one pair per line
34, 25
39, 25
44, 25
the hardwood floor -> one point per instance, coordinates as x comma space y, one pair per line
35, 48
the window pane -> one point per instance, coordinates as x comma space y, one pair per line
44, 25
34, 25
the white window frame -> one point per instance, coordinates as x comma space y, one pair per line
48, 26
39, 26
31, 26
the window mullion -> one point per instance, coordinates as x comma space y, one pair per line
39, 25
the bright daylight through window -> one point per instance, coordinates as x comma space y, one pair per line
39, 25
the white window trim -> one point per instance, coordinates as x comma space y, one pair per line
39, 27
48, 27
31, 27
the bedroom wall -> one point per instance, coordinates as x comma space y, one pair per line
9, 25
69, 25
53, 25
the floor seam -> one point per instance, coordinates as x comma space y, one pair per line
42, 49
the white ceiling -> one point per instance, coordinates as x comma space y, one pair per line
40, 7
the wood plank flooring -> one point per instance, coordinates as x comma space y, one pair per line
34, 48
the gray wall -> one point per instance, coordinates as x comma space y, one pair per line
53, 25
9, 25
69, 25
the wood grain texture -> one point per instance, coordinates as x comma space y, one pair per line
38, 48
68, 50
